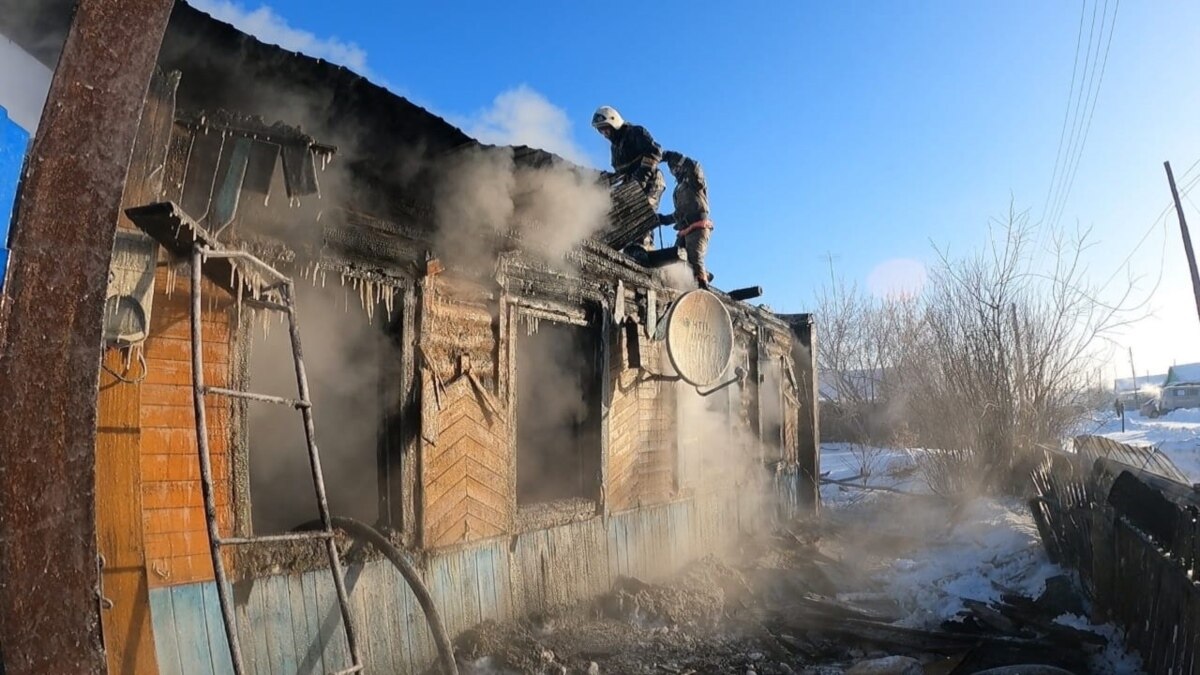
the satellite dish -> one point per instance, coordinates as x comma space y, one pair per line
699, 337
124, 321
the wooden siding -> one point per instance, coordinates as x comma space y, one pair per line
467, 464
466, 467
119, 498
287, 622
641, 427
173, 513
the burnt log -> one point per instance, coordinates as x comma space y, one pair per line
747, 293
664, 256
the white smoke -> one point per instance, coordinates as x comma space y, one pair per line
265, 24
522, 116
483, 196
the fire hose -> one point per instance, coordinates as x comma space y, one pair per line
363, 533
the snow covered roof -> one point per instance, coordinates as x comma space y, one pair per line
1122, 384
1188, 373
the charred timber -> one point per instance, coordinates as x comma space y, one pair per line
747, 293
664, 256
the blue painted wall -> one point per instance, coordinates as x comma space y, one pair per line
13, 143
290, 624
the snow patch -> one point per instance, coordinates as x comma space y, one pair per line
1176, 434
1115, 659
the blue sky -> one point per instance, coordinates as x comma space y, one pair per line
864, 132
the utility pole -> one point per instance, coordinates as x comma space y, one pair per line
1187, 238
1137, 401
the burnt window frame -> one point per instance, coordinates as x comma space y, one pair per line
588, 315
395, 435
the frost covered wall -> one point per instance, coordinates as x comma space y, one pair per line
149, 515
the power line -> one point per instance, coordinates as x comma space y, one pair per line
1092, 111
1077, 113
1066, 113
1154, 224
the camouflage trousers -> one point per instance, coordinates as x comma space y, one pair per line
696, 245
654, 191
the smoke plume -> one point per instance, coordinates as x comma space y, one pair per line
523, 116
483, 197
346, 359
265, 24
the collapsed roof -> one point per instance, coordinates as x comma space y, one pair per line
390, 146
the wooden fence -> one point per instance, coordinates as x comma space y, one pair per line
1121, 517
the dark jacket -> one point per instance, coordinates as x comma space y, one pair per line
634, 153
690, 196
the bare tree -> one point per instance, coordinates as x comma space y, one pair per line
862, 339
990, 366
1001, 363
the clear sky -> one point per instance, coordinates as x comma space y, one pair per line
860, 133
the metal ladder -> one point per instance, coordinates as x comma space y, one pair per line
284, 287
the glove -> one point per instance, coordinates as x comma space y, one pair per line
666, 218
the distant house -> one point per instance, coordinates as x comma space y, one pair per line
1125, 385
1181, 387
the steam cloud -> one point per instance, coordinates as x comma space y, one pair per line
346, 359
522, 116
483, 196
268, 26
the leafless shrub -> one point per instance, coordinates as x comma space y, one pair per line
992, 365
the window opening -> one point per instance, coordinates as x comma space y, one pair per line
558, 392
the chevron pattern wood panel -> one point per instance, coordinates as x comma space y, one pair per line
466, 469
641, 442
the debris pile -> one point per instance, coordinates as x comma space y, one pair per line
806, 600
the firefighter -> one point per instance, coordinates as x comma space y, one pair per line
692, 225
635, 156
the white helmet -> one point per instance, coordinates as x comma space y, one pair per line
607, 116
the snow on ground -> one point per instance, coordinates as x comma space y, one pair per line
1176, 434
928, 555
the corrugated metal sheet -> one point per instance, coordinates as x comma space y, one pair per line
1143, 457
285, 620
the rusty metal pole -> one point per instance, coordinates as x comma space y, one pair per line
62, 240
1187, 238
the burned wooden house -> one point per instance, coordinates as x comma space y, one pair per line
494, 385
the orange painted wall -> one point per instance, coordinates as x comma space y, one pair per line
176, 538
